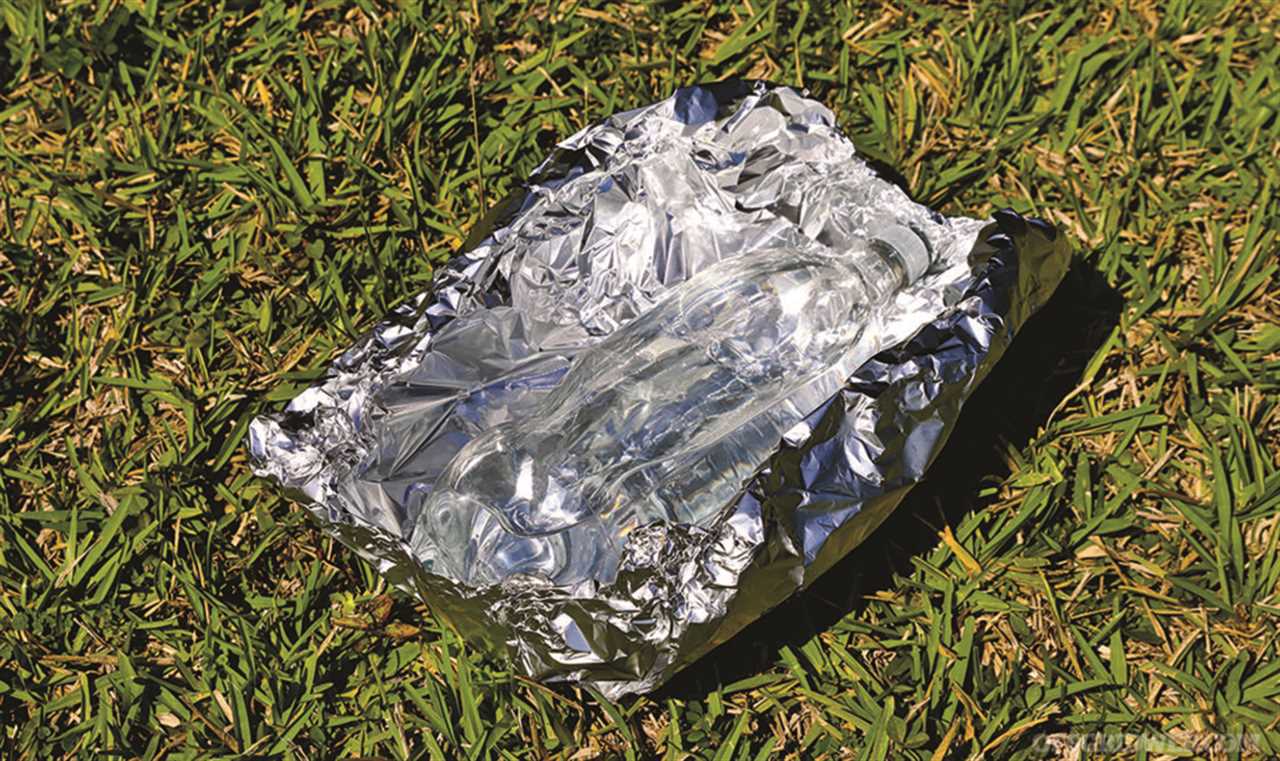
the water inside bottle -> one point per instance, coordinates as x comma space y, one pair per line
666, 419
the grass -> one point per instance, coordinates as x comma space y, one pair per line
201, 203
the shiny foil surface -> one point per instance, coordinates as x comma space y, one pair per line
617, 215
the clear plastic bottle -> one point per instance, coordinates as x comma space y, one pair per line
639, 429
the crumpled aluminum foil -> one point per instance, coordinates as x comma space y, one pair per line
620, 212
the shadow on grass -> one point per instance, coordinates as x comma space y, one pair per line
1038, 370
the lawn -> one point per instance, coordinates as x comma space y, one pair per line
202, 203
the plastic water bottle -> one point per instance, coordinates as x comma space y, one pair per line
664, 420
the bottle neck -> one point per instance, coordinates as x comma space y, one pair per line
896, 276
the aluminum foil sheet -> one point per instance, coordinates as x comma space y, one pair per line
618, 214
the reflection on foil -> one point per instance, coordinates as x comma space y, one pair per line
626, 253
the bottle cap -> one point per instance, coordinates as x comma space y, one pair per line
910, 246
